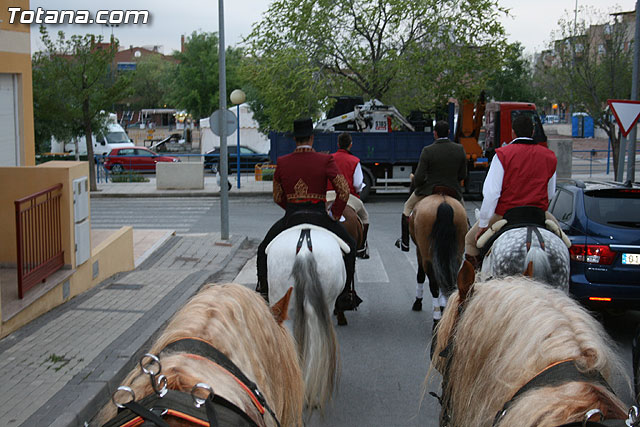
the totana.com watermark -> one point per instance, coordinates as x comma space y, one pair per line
42, 16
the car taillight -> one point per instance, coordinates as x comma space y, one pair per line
592, 254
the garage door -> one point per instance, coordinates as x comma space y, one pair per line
9, 133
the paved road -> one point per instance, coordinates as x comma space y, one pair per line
384, 349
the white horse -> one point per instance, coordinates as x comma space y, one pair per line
546, 257
308, 259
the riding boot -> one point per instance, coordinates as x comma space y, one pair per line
364, 251
403, 242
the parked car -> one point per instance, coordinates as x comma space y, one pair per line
602, 220
137, 158
249, 158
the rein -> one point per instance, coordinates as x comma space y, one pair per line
152, 408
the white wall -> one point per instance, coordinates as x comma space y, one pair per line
249, 134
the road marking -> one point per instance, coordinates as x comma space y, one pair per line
371, 270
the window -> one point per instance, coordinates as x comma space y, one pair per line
614, 207
146, 153
563, 207
126, 152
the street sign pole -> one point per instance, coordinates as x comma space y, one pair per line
621, 157
631, 167
222, 91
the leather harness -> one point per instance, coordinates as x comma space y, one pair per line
217, 410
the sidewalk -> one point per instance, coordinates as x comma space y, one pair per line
248, 187
60, 369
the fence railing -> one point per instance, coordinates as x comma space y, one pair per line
590, 162
38, 237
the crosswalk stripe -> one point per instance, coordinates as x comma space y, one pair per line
371, 270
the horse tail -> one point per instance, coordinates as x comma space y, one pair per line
314, 332
444, 249
539, 259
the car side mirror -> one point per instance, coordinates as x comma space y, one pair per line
103, 143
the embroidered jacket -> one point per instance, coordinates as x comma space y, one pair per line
302, 176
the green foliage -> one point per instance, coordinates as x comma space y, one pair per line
413, 54
127, 177
195, 81
150, 83
74, 82
514, 80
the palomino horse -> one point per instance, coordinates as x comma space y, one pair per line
546, 256
225, 338
309, 258
516, 352
438, 227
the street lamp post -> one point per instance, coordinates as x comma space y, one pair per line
238, 97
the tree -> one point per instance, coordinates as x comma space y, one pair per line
150, 82
195, 82
74, 83
414, 53
590, 62
514, 80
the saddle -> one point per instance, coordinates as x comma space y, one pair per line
518, 217
343, 245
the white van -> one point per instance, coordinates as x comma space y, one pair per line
115, 137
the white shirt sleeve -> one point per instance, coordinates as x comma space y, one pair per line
551, 186
358, 182
491, 192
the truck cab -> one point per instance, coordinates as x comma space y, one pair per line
497, 124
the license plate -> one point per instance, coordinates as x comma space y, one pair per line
631, 259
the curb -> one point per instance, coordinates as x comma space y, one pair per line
83, 396
99, 195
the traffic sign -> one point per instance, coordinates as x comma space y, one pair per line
626, 113
230, 121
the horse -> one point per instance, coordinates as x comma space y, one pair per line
438, 225
528, 247
228, 339
310, 258
353, 225
515, 351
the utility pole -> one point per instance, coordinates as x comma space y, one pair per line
631, 166
222, 91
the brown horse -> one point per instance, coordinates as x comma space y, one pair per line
353, 225
438, 225
504, 333
234, 321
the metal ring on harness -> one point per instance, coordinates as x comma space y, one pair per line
155, 359
590, 414
198, 401
160, 386
123, 388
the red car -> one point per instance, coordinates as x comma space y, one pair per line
138, 158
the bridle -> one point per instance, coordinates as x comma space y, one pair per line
202, 406
556, 374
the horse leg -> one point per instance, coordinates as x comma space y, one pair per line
421, 276
435, 294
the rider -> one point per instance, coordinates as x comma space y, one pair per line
442, 164
299, 187
350, 167
522, 173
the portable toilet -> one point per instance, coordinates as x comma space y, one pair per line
582, 125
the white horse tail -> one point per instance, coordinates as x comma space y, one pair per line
539, 259
314, 332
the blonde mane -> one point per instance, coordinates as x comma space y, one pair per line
510, 330
237, 322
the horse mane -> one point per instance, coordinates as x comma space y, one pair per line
510, 330
237, 322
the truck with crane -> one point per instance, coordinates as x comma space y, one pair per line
388, 157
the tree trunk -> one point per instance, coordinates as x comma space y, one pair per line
89, 141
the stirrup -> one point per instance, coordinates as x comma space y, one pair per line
400, 244
364, 252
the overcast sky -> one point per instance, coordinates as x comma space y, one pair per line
531, 22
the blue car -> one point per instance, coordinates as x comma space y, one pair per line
249, 158
602, 221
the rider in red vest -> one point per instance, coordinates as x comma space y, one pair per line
522, 173
350, 167
299, 187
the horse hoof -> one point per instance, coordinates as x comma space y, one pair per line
417, 305
342, 319
402, 246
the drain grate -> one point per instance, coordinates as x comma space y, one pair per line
124, 287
